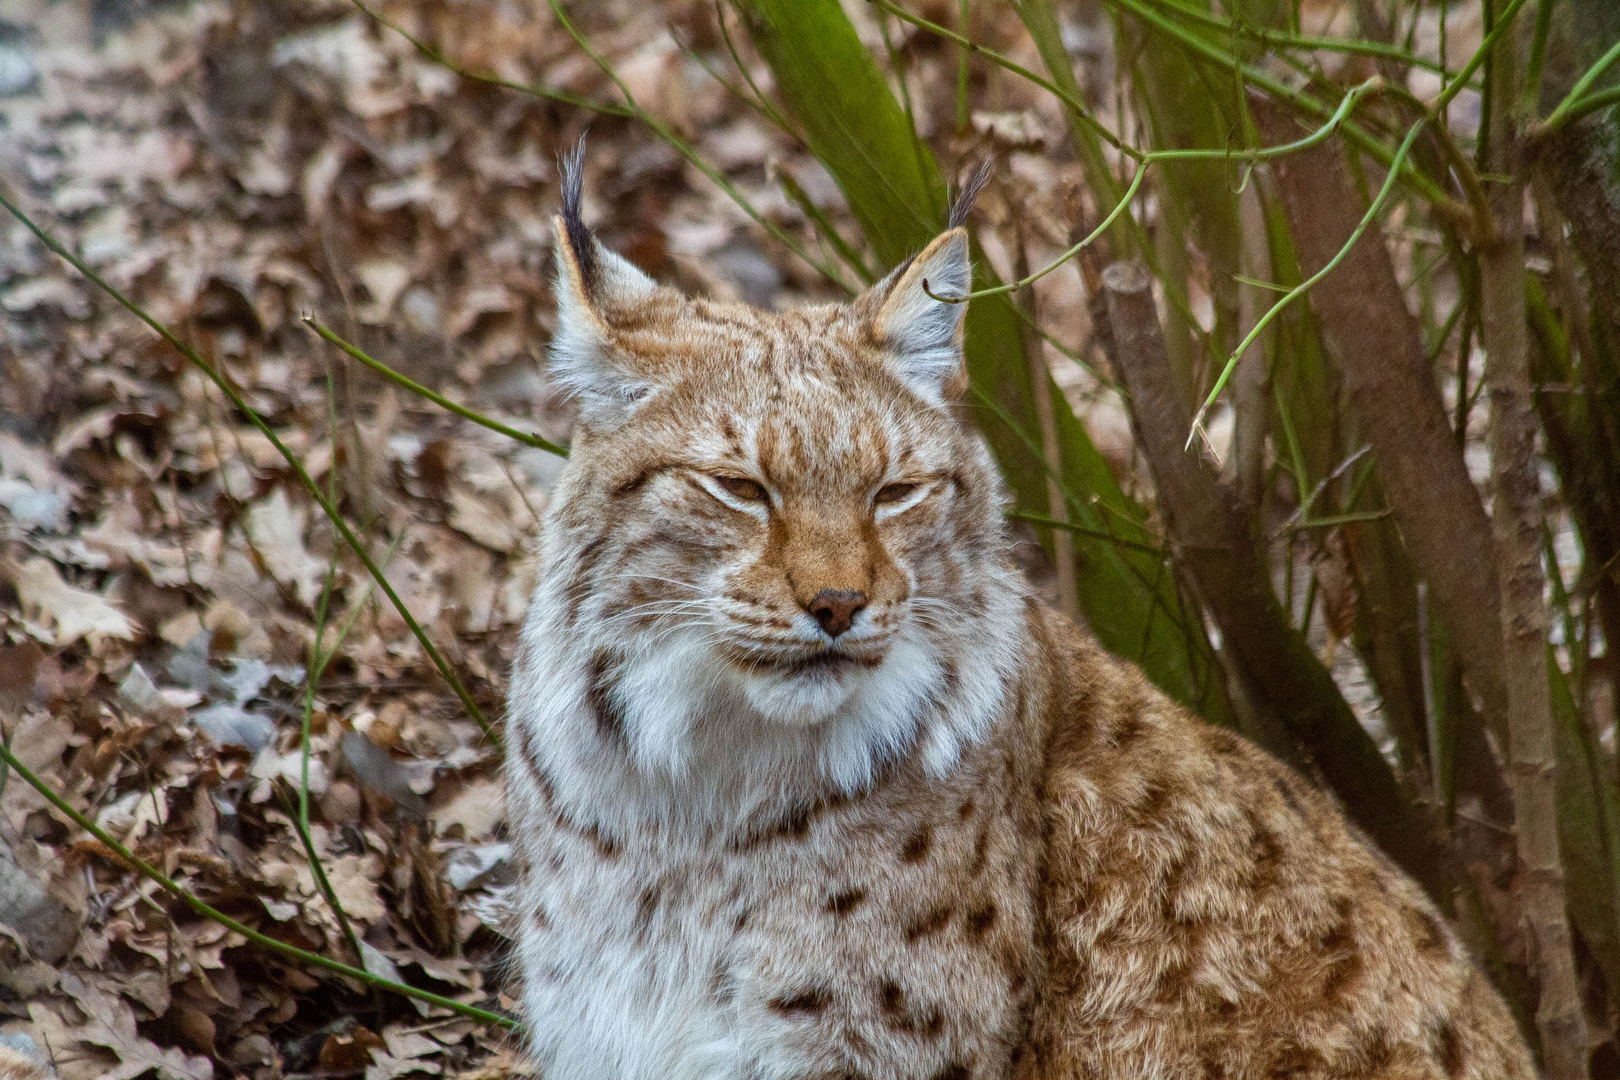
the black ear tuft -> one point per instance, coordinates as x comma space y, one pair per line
579, 237
963, 203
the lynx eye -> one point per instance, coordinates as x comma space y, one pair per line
741, 487
889, 494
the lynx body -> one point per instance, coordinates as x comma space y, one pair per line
807, 787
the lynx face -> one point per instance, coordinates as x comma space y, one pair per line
776, 517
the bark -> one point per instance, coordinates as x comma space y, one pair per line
1579, 165
1215, 541
1579, 162
1580, 159
1516, 526
1379, 346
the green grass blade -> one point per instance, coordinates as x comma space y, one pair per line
1588, 829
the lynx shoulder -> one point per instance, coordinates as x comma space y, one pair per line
806, 786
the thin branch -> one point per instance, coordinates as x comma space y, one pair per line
1249, 155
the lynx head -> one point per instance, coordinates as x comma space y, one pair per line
770, 522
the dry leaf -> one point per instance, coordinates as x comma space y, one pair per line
484, 520
74, 613
110, 1022
474, 811
277, 532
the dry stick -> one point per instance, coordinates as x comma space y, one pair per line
268, 432
1361, 311
1516, 526
180, 893
1215, 542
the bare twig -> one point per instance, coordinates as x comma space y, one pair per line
1516, 527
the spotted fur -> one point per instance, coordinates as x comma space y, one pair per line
955, 841
17, 1066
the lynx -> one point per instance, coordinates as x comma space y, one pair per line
807, 785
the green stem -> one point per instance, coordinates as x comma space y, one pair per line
1592, 103
807, 207
1538, 58
1305, 103
1247, 155
682, 147
1000, 60
1305, 286
1276, 39
631, 111
1572, 100
963, 9
1098, 534
356, 353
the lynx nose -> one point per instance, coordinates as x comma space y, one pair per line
835, 609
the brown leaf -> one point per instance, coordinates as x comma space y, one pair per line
350, 1053
195, 1027
110, 1022
74, 613
1337, 581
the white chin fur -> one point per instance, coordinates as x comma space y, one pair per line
802, 699
705, 742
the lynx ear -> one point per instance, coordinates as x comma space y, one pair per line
593, 284
923, 335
